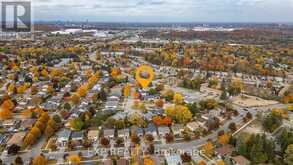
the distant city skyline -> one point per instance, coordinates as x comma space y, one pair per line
164, 10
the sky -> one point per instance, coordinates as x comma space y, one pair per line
164, 10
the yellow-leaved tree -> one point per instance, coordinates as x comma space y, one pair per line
224, 139
178, 99
40, 160
208, 149
74, 159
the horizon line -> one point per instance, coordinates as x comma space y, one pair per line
168, 22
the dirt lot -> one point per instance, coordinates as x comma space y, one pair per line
251, 101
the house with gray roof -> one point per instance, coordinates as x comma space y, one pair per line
63, 137
151, 129
77, 135
163, 130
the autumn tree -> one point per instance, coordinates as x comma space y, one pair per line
220, 162
75, 98
224, 139
169, 137
40, 160
186, 158
41, 125
18, 161
166, 121
22, 88
82, 90
178, 98
76, 124
126, 90
213, 82
29, 140
7, 104
36, 132
138, 120
208, 104
168, 94
179, 112
136, 95
52, 123
11, 88
104, 141
34, 90
208, 149
148, 161
280, 112
157, 120
235, 87
49, 131
232, 127
159, 103
74, 159
115, 72
201, 162
5, 114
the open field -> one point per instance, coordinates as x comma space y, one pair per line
251, 101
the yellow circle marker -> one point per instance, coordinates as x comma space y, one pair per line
144, 80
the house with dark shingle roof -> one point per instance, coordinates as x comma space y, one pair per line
151, 129
63, 137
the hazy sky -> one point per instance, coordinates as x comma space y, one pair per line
165, 10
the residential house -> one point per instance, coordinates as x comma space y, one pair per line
177, 129
17, 139
8, 123
189, 100
77, 136
149, 116
93, 135
193, 126
150, 98
51, 105
163, 130
109, 133
11, 125
63, 137
27, 124
158, 111
123, 133
173, 160
111, 105
138, 131
214, 112
96, 88
151, 129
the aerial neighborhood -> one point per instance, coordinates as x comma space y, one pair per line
77, 97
